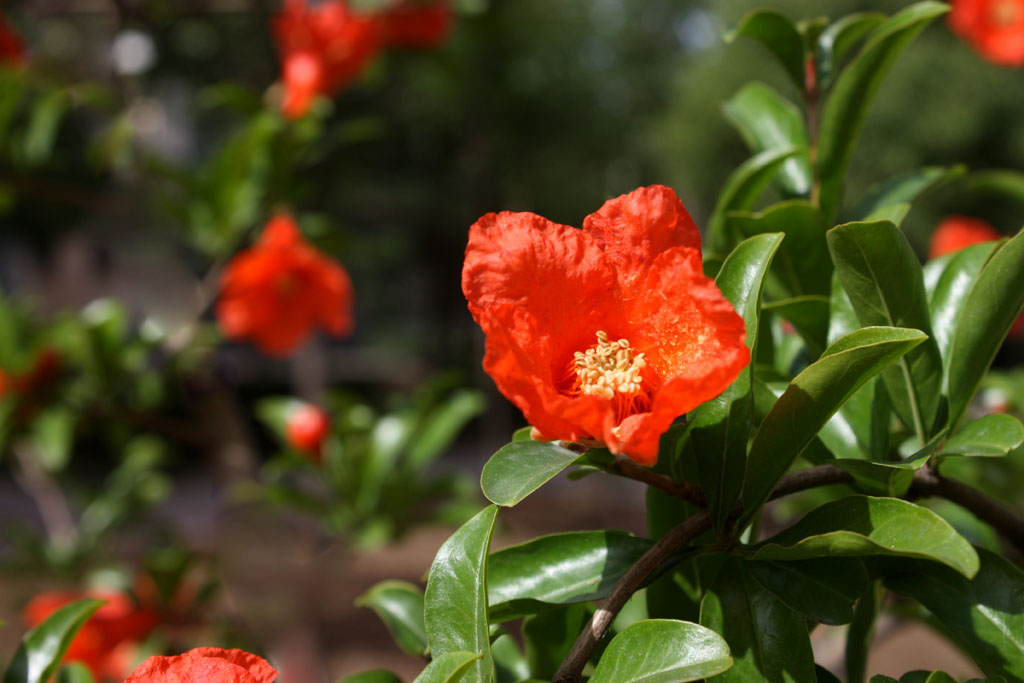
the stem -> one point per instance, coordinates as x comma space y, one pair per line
668, 545
930, 484
58, 521
691, 493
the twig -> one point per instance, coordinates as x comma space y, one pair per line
812, 477
675, 539
58, 521
928, 483
691, 493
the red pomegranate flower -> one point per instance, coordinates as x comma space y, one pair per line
205, 665
307, 427
607, 333
994, 27
418, 25
12, 50
322, 49
276, 292
101, 642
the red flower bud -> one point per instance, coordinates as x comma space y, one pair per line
995, 28
307, 427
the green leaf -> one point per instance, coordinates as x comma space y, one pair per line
766, 120
950, 292
520, 468
375, 676
881, 275
991, 306
443, 425
450, 668
884, 478
862, 632
719, 429
989, 435
927, 677
1005, 182
802, 265
823, 590
810, 401
741, 191
455, 604
576, 566
984, 615
509, 663
779, 34
837, 39
808, 315
548, 637
824, 675
861, 525
903, 190
846, 108
400, 607
76, 672
684, 652
54, 431
768, 641
42, 648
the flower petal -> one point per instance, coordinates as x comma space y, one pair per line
634, 228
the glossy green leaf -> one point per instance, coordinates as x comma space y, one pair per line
809, 317
861, 525
42, 648
952, 286
400, 607
569, 567
779, 34
823, 590
768, 641
741, 191
455, 604
802, 265
719, 429
883, 478
984, 615
520, 468
927, 677
548, 637
824, 675
766, 120
509, 663
1003, 181
991, 306
837, 39
903, 190
375, 676
846, 108
684, 652
994, 434
810, 401
881, 275
452, 667
76, 672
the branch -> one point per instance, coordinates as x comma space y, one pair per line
928, 483
668, 545
691, 493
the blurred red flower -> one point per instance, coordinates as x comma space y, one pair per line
42, 371
205, 665
12, 50
419, 25
322, 49
607, 333
956, 232
276, 292
105, 643
307, 427
994, 27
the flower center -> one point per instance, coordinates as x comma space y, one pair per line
608, 368
1006, 13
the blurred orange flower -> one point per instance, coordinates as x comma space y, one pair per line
994, 27
306, 428
106, 642
276, 292
205, 665
11, 48
322, 49
419, 25
607, 333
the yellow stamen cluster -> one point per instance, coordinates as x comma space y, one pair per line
609, 367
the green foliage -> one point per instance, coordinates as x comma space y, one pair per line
522, 467
686, 652
42, 648
400, 607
